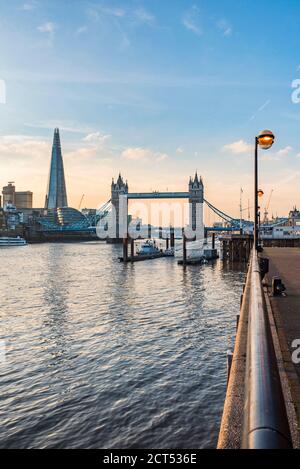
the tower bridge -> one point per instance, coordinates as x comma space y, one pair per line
195, 196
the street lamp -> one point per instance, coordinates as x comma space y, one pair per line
260, 193
264, 140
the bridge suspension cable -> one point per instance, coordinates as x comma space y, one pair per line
104, 208
221, 214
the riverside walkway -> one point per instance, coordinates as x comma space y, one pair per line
285, 263
262, 405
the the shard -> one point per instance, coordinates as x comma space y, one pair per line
57, 194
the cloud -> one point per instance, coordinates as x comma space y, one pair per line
100, 11
144, 16
224, 27
83, 153
23, 148
28, 6
278, 155
238, 147
191, 20
97, 138
48, 29
81, 30
117, 11
95, 146
138, 153
161, 156
285, 151
115, 16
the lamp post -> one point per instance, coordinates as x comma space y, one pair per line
260, 194
264, 140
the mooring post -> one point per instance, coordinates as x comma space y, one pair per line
229, 363
125, 249
172, 236
132, 248
184, 248
213, 242
237, 321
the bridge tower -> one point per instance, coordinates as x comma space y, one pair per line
118, 189
196, 200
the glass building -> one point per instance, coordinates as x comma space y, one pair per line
64, 219
58, 217
57, 194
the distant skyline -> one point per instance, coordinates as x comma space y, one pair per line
154, 89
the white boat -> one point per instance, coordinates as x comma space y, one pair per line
12, 241
149, 248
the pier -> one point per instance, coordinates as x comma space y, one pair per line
262, 405
143, 257
236, 247
133, 257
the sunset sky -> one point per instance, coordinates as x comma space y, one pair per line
155, 89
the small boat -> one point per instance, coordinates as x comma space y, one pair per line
169, 252
8, 241
149, 248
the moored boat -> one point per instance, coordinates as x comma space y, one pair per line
9, 241
149, 248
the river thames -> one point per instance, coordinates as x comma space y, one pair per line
105, 355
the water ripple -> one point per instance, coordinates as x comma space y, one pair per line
106, 355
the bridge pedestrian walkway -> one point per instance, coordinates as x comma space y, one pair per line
285, 263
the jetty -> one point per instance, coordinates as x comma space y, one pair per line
133, 257
143, 257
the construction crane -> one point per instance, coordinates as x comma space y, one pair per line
81, 200
267, 207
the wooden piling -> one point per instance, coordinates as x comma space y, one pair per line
184, 257
229, 363
125, 249
237, 248
132, 248
172, 236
